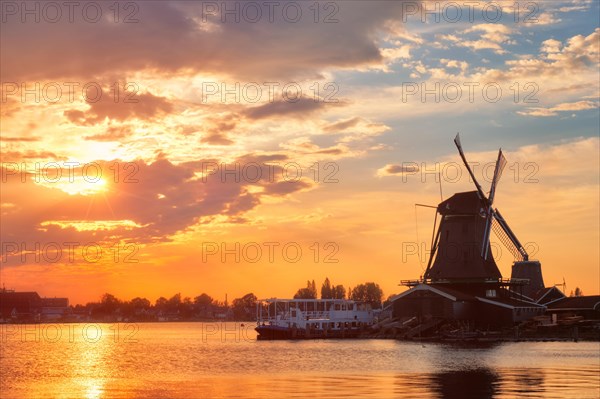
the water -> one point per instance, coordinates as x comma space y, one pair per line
212, 360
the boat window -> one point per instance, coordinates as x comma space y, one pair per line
293, 313
337, 306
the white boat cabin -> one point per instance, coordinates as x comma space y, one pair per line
314, 314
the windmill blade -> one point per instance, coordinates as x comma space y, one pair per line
462, 155
500, 164
486, 237
513, 238
505, 239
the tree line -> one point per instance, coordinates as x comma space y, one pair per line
175, 308
204, 307
368, 292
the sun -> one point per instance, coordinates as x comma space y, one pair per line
79, 185
85, 187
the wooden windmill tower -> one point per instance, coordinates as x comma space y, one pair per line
461, 253
462, 281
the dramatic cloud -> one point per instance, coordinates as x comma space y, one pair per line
217, 139
20, 139
143, 106
300, 108
394, 169
492, 37
15, 156
579, 53
564, 107
112, 133
211, 161
342, 125
185, 36
155, 200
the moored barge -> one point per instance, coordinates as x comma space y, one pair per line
311, 318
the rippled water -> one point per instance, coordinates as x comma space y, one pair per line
211, 360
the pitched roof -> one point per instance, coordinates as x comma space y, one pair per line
449, 293
461, 296
510, 302
8, 296
466, 203
577, 302
552, 295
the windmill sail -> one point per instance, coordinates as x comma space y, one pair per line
500, 164
462, 155
461, 247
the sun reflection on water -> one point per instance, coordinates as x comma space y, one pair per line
171, 360
91, 361
94, 392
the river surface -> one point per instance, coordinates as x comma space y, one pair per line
213, 360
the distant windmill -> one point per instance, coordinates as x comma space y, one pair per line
563, 285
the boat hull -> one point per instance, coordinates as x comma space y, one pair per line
270, 332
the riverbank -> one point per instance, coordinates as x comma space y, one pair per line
452, 331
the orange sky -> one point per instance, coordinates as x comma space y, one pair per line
140, 190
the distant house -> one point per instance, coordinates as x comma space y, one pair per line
543, 296
548, 295
54, 308
29, 306
19, 305
587, 307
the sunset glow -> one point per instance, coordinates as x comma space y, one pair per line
299, 199
240, 157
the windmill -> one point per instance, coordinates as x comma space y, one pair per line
462, 282
461, 251
563, 285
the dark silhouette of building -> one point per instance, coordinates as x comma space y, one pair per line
532, 271
587, 307
19, 305
462, 281
54, 308
29, 306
